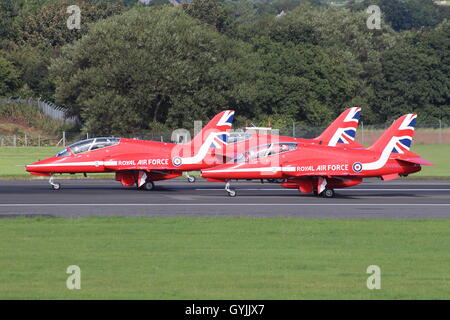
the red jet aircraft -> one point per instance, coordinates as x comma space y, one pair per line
138, 162
319, 169
341, 132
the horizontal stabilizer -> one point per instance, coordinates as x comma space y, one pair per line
417, 160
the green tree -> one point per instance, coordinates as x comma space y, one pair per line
47, 26
8, 77
8, 14
405, 14
416, 76
211, 12
152, 64
32, 67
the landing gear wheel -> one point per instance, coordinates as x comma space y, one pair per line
56, 186
328, 193
53, 184
191, 179
230, 192
148, 186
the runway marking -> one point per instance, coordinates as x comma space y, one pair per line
215, 204
359, 189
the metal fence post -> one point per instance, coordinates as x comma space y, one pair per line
14, 141
362, 132
64, 139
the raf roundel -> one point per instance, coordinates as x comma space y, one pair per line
357, 167
177, 161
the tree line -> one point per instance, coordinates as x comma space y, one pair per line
132, 67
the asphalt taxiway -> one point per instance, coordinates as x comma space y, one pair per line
414, 199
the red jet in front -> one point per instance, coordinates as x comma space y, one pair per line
320, 169
139, 162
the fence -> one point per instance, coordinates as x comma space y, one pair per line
47, 107
366, 135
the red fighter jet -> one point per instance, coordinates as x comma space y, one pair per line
341, 132
138, 162
320, 169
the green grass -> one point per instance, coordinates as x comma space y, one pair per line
439, 154
224, 258
10, 157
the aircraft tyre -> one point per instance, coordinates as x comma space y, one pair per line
231, 193
191, 179
148, 186
56, 186
328, 193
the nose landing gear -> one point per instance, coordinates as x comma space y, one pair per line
231, 192
53, 184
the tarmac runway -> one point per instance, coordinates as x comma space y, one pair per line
413, 199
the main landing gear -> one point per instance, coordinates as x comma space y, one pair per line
53, 184
148, 186
328, 193
231, 192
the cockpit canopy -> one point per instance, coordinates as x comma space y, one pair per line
239, 136
265, 150
88, 145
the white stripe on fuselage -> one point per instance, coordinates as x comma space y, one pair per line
383, 157
203, 150
75, 164
263, 169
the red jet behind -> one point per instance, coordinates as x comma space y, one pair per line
138, 162
320, 169
341, 133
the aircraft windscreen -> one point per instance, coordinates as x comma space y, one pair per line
239, 136
63, 153
264, 150
89, 145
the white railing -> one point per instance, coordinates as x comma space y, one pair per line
47, 107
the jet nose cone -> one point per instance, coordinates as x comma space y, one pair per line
42, 166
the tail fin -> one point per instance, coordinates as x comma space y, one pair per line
219, 126
342, 130
398, 137
394, 143
213, 135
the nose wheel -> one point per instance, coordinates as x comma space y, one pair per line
230, 192
190, 179
54, 185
